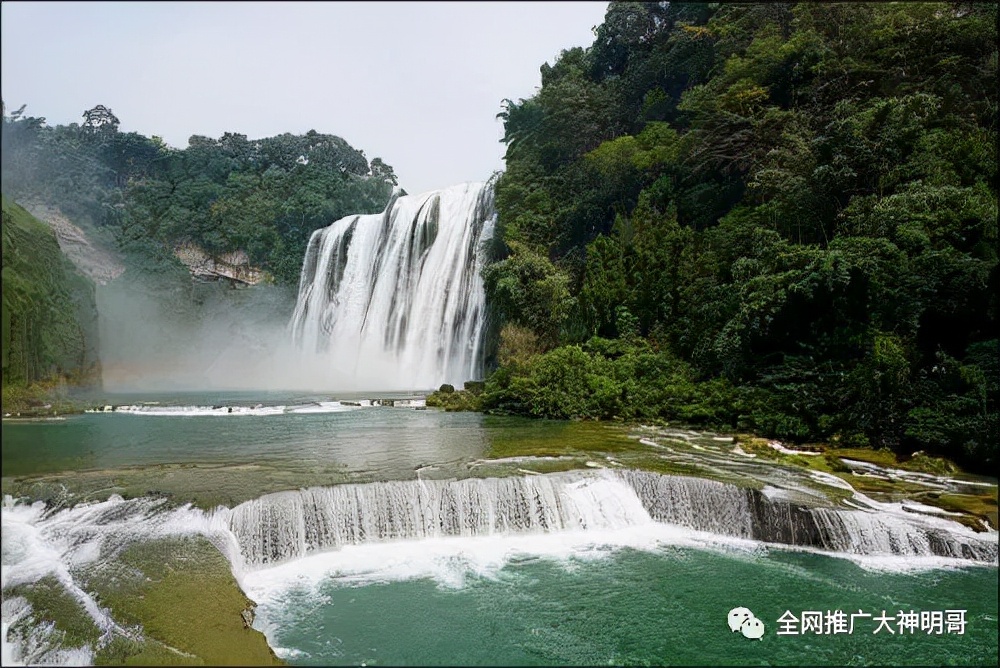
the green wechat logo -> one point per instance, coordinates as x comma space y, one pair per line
744, 621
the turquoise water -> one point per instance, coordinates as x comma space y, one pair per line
388, 440
536, 600
632, 607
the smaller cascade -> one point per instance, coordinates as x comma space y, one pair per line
695, 503
865, 532
287, 525
728, 510
284, 526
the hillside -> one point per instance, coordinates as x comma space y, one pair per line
777, 217
49, 314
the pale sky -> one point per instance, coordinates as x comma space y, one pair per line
417, 84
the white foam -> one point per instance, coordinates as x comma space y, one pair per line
289, 653
891, 563
930, 516
449, 561
788, 451
830, 479
323, 407
197, 411
913, 506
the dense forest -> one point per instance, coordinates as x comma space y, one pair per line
775, 217
49, 324
264, 196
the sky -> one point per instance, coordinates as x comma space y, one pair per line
418, 84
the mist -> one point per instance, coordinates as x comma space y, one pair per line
159, 334
170, 333
155, 335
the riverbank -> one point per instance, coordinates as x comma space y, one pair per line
517, 446
48, 398
886, 477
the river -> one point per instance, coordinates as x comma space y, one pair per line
427, 537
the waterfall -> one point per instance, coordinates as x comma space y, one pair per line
395, 300
720, 508
289, 525
696, 503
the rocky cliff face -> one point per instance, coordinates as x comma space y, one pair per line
102, 264
94, 261
233, 266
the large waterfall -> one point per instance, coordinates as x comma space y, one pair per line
395, 300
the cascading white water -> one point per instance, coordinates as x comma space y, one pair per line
288, 525
696, 503
296, 525
395, 301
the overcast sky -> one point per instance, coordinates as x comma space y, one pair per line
417, 84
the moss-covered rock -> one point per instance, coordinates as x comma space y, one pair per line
52, 604
182, 594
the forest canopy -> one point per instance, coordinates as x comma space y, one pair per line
263, 196
778, 217
772, 217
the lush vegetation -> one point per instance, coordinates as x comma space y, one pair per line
264, 197
775, 217
450, 399
49, 324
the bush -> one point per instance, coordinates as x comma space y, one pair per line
605, 379
517, 344
461, 400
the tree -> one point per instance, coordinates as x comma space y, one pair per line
100, 119
384, 172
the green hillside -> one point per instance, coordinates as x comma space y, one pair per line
49, 313
776, 217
